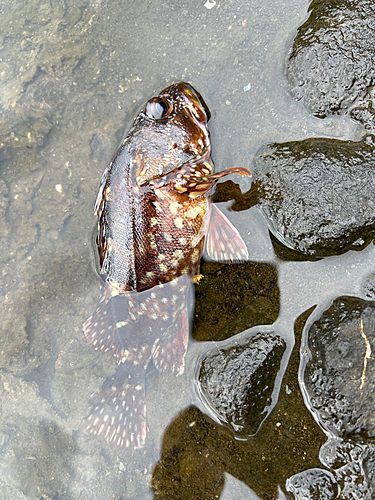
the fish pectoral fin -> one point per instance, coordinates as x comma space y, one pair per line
223, 241
201, 185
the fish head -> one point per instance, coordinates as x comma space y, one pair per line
170, 131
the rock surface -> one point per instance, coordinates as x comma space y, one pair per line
312, 484
339, 377
352, 474
331, 61
318, 193
238, 379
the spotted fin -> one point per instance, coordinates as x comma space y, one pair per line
202, 185
119, 413
105, 328
223, 241
171, 350
194, 180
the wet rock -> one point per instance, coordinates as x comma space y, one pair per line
364, 116
318, 193
237, 380
369, 286
368, 464
336, 453
339, 376
349, 463
312, 484
353, 483
331, 62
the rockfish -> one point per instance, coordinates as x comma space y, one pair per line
155, 214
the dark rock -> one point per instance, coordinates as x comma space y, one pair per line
318, 193
336, 453
331, 62
237, 380
339, 376
312, 484
353, 483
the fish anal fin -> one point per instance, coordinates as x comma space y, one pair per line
223, 241
171, 350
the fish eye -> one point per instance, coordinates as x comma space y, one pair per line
158, 108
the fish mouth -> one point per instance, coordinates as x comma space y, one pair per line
200, 114
193, 97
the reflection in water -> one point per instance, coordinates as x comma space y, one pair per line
232, 298
197, 451
191, 459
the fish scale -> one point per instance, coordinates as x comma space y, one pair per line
155, 214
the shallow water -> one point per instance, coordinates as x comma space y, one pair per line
73, 77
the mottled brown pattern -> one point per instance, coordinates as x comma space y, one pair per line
154, 207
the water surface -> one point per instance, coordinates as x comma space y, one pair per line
73, 76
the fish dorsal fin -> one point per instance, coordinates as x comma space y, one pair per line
223, 241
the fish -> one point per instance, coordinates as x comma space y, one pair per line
155, 217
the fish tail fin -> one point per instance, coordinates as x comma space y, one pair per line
119, 414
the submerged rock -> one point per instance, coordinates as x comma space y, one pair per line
312, 484
331, 62
350, 477
318, 193
237, 380
369, 287
339, 376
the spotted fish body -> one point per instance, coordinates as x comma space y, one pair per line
154, 213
